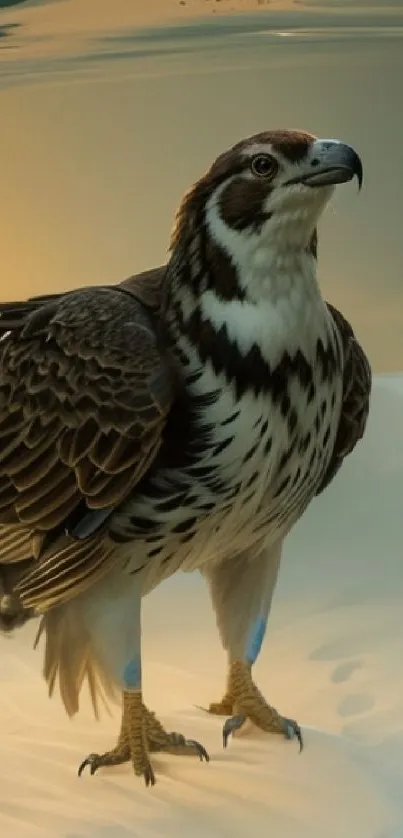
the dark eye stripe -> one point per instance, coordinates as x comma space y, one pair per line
242, 203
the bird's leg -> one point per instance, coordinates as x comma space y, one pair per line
157, 739
118, 755
225, 707
243, 700
116, 635
248, 703
241, 590
132, 743
121, 752
171, 743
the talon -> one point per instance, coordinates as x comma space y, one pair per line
292, 729
202, 753
230, 725
149, 776
91, 761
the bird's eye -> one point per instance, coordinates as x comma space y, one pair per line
264, 165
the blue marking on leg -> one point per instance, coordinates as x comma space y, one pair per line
255, 641
132, 674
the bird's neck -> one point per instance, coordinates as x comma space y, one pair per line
260, 301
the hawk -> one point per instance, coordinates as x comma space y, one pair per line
181, 420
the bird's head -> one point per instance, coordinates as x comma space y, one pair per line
265, 196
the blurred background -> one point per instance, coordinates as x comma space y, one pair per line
105, 124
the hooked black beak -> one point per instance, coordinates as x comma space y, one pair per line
331, 162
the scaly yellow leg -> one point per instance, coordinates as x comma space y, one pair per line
243, 699
141, 733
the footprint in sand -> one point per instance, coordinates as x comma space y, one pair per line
326, 652
344, 671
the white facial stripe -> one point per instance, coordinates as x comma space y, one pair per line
257, 148
280, 239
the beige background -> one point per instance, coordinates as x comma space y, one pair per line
102, 129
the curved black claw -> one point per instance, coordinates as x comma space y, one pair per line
234, 723
293, 731
201, 752
93, 761
181, 741
149, 776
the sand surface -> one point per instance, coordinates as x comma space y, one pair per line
332, 659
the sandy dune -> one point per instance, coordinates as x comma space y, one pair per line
333, 659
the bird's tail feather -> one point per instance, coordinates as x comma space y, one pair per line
16, 544
70, 659
16, 561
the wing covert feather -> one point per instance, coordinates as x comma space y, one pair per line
85, 392
84, 396
357, 383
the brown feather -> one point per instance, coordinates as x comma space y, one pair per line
62, 575
16, 544
76, 373
85, 392
68, 655
357, 383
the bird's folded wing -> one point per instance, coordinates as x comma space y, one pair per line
85, 391
357, 382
